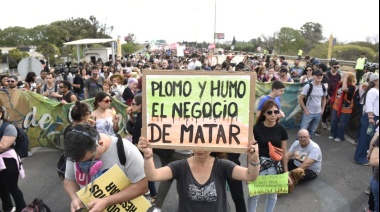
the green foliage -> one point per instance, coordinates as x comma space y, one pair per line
129, 48
15, 56
313, 34
291, 40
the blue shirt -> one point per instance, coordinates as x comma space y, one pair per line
266, 98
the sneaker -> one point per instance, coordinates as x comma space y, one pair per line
338, 139
325, 126
367, 191
331, 137
147, 193
30, 154
366, 209
317, 134
156, 210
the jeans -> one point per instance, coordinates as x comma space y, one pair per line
80, 95
339, 124
236, 187
164, 186
9, 186
375, 190
310, 122
152, 188
364, 140
271, 198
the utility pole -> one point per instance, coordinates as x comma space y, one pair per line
330, 47
215, 24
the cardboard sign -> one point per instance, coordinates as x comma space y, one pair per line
269, 184
113, 181
210, 111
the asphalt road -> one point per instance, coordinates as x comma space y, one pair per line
340, 186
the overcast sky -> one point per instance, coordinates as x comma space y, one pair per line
193, 20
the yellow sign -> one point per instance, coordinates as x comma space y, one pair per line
111, 182
269, 184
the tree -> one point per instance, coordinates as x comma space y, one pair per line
15, 56
313, 34
269, 42
291, 40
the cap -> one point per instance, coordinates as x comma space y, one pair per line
373, 77
13, 77
316, 62
284, 63
322, 66
318, 72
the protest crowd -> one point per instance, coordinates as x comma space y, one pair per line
328, 97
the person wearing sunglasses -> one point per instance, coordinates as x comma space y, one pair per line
105, 118
65, 90
307, 76
267, 129
84, 145
12, 82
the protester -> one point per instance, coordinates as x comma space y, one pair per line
134, 127
4, 82
268, 129
284, 76
93, 85
270, 77
296, 71
306, 154
374, 160
50, 89
307, 76
368, 120
10, 168
12, 82
78, 85
315, 103
371, 198
30, 82
194, 64
84, 145
201, 179
107, 121
130, 91
278, 89
65, 91
117, 87
342, 104
40, 80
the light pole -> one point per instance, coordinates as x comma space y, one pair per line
215, 24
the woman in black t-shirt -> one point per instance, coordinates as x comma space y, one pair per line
267, 129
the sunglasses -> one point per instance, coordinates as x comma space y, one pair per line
336, 67
10, 81
62, 87
270, 112
133, 103
309, 69
107, 101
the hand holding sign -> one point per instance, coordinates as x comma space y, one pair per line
98, 205
144, 146
253, 151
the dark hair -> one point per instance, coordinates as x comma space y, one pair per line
29, 76
79, 140
307, 58
80, 111
371, 85
267, 105
94, 68
140, 84
138, 99
99, 97
284, 69
277, 85
220, 155
282, 57
66, 84
304, 72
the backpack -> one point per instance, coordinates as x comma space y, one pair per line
311, 89
36, 206
61, 166
21, 145
55, 88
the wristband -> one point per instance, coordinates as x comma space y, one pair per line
254, 164
149, 157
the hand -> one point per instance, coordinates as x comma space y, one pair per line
253, 151
371, 121
144, 146
63, 102
306, 112
76, 204
368, 157
129, 111
98, 205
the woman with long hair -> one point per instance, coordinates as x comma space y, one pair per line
204, 172
342, 103
130, 91
368, 120
84, 74
30, 82
267, 129
10, 167
105, 118
307, 75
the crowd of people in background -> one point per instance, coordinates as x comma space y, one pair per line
328, 97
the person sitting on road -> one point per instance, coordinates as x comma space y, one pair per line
84, 144
306, 154
204, 172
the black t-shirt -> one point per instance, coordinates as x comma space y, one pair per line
264, 134
210, 196
78, 80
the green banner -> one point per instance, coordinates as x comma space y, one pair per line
43, 119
